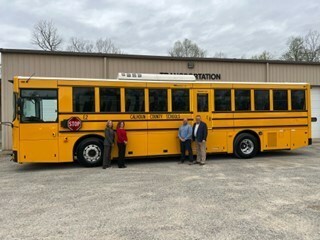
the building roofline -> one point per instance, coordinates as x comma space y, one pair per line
152, 57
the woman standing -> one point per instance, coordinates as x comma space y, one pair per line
122, 142
107, 145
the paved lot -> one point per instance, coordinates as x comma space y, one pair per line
274, 196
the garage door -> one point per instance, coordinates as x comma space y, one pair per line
315, 111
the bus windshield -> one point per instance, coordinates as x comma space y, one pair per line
38, 105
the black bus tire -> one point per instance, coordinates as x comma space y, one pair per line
90, 152
246, 146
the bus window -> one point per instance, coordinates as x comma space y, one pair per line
280, 100
83, 99
134, 100
261, 100
242, 100
298, 100
180, 100
222, 100
158, 100
39, 105
202, 102
110, 100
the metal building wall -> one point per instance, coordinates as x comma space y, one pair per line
235, 72
295, 73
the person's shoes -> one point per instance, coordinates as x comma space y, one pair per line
122, 166
108, 166
194, 162
181, 162
201, 164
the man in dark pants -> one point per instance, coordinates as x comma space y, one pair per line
199, 135
107, 145
185, 134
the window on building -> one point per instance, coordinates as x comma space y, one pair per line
134, 100
180, 100
158, 100
222, 100
298, 100
110, 100
83, 99
261, 100
242, 100
280, 100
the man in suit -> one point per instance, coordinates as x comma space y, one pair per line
199, 135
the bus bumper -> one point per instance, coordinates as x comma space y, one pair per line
310, 141
14, 156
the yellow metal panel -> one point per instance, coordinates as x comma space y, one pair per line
289, 100
65, 99
134, 149
169, 100
146, 100
37, 83
299, 138
38, 151
163, 142
252, 99
97, 99
217, 141
122, 100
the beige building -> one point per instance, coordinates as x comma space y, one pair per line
96, 65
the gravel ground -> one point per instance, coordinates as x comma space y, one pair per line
273, 196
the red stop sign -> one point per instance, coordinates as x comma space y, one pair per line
74, 123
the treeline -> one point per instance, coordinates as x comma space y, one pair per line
299, 48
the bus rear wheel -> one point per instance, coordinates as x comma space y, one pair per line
245, 145
90, 152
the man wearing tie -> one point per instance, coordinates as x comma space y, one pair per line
199, 135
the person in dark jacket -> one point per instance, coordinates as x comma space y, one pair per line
122, 140
107, 145
199, 135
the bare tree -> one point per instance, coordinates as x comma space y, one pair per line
296, 50
265, 55
312, 46
100, 46
45, 35
80, 45
106, 46
220, 55
186, 49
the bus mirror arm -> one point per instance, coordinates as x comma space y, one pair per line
19, 102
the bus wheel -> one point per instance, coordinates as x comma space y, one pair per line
245, 146
90, 152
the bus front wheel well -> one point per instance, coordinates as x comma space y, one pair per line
83, 138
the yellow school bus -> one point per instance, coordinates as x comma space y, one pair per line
63, 119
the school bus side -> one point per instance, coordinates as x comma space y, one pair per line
155, 133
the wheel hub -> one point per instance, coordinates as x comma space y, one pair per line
92, 153
246, 146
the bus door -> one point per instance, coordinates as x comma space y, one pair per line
38, 125
202, 106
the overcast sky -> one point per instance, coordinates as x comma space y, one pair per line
238, 28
